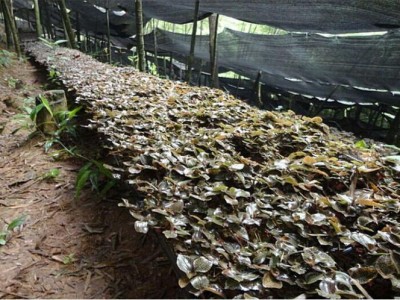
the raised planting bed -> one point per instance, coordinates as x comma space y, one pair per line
253, 203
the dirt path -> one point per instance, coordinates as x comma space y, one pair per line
66, 247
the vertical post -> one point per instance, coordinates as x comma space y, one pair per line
13, 28
257, 90
39, 30
200, 71
213, 23
78, 27
109, 56
28, 19
6, 25
165, 67
238, 85
69, 32
171, 67
139, 35
393, 135
86, 41
50, 32
108, 33
65, 33
155, 47
192, 43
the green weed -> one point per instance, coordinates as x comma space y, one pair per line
69, 259
5, 58
6, 233
51, 174
100, 178
52, 44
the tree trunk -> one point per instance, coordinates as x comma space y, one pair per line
13, 28
39, 30
192, 43
213, 21
139, 35
68, 28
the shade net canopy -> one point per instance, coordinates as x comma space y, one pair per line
300, 15
327, 67
358, 69
85, 16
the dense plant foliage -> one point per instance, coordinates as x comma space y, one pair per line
254, 203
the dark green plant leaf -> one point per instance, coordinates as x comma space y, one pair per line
16, 222
82, 178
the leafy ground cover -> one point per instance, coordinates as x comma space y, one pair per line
254, 203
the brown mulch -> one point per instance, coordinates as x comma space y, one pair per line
67, 247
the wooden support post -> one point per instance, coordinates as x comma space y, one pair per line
213, 22
139, 35
78, 27
393, 136
45, 119
65, 33
6, 25
165, 67
86, 42
155, 47
171, 67
238, 84
50, 31
13, 28
39, 30
192, 43
108, 33
200, 71
67, 23
257, 90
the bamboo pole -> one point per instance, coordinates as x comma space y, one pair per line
139, 35
155, 47
39, 30
13, 28
50, 27
200, 71
165, 67
68, 28
192, 42
393, 136
171, 67
78, 28
65, 33
257, 90
213, 23
108, 33
6, 25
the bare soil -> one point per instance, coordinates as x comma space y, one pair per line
67, 247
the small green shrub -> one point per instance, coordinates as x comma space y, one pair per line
6, 233
5, 58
